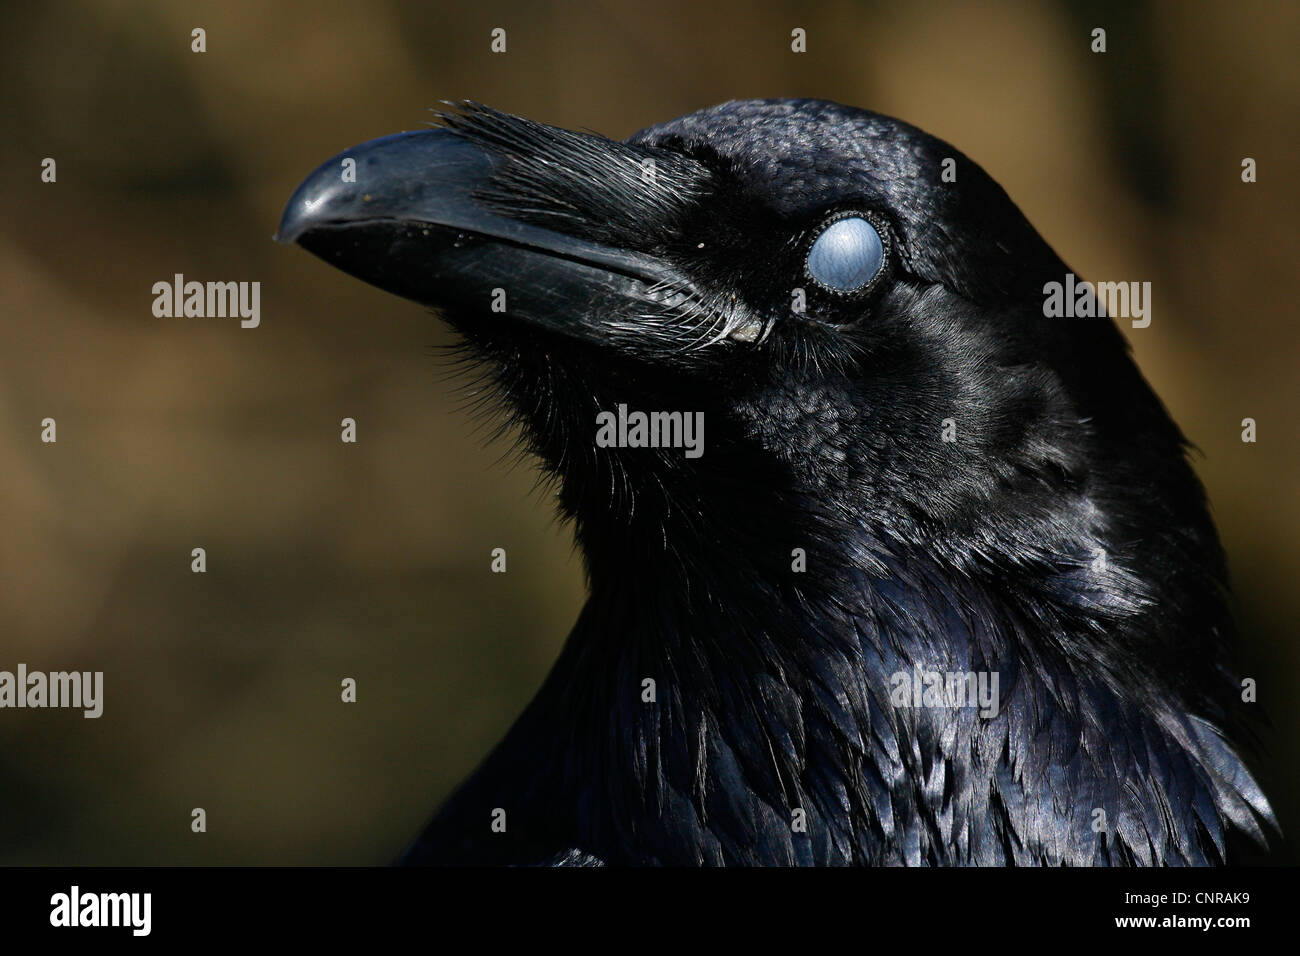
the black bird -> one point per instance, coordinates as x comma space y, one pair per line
909, 471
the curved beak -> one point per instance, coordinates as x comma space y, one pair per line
403, 213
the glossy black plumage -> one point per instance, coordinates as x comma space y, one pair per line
1061, 540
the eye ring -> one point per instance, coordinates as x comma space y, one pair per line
849, 260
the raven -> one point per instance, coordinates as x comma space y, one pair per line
912, 473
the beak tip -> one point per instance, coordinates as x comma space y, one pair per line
288, 232
389, 169
300, 212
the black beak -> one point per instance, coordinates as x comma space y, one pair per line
403, 213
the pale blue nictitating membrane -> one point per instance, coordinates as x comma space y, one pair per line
847, 255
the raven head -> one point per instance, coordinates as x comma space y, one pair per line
796, 270
856, 310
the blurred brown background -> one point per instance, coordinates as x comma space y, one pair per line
371, 561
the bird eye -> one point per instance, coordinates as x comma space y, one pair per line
847, 255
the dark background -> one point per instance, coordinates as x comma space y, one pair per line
371, 560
